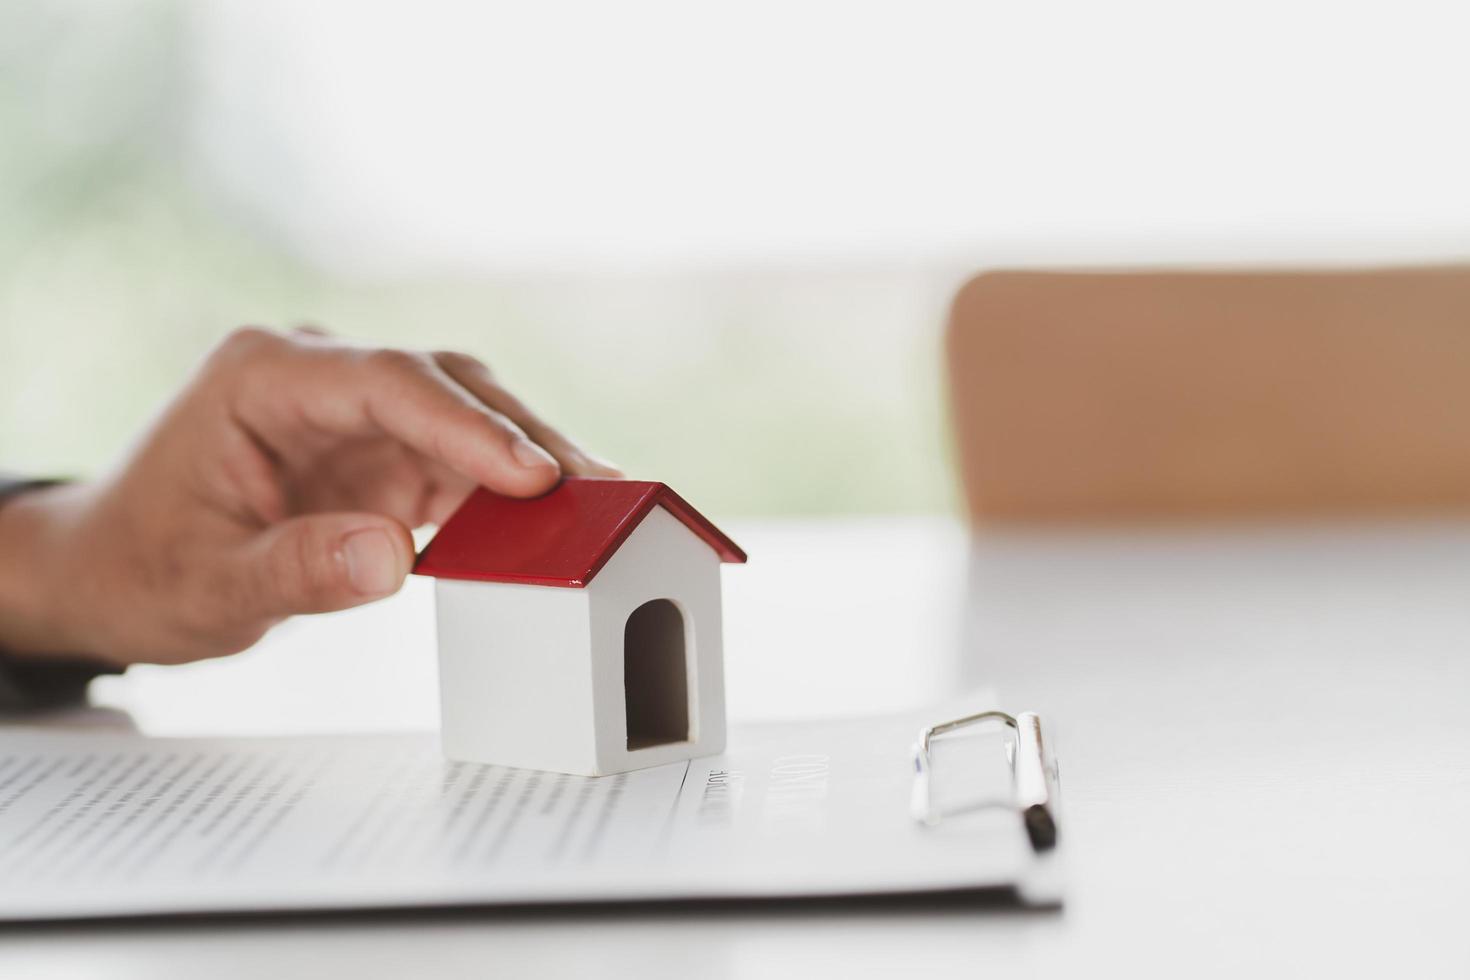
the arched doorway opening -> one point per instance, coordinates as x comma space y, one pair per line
655, 675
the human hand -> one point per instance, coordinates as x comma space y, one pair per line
283, 479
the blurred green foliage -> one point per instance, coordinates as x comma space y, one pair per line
784, 391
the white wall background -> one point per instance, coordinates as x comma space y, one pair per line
566, 134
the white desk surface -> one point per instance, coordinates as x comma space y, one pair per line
1264, 740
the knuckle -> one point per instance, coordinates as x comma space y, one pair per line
308, 569
395, 361
453, 360
241, 348
248, 339
279, 578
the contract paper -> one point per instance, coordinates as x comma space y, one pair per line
125, 825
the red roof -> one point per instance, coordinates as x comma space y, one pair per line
561, 538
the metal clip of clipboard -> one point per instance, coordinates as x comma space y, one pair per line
1032, 776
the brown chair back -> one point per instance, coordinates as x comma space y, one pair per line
1125, 396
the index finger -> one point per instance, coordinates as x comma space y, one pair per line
349, 392
476, 378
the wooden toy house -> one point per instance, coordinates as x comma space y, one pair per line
580, 631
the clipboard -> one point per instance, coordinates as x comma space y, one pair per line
109, 824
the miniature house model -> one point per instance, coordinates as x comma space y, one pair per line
580, 631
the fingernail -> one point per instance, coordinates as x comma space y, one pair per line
530, 455
372, 562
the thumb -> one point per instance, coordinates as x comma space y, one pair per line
325, 562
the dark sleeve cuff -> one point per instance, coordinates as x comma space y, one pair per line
11, 485
27, 682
